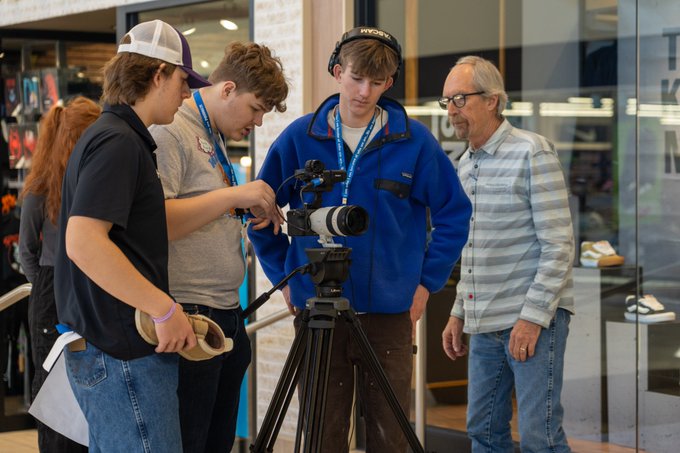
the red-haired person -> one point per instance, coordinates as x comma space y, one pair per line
59, 130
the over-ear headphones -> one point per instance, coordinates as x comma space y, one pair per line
366, 33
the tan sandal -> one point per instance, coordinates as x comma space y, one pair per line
210, 338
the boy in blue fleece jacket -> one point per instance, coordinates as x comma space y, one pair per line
399, 171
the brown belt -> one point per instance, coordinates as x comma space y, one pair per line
78, 345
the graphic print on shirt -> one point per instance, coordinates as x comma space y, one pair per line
206, 147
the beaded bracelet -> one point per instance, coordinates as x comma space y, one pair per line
166, 316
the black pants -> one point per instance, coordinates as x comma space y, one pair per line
42, 319
209, 390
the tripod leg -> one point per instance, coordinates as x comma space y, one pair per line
379, 375
315, 384
283, 393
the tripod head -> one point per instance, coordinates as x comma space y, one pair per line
329, 269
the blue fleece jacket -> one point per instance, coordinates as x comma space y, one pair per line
402, 171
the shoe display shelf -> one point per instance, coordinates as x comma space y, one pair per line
641, 366
649, 369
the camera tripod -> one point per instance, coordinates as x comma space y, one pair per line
310, 357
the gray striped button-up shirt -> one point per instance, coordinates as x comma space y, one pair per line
518, 259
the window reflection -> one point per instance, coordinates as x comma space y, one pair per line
601, 83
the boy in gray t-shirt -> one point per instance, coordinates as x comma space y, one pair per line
206, 263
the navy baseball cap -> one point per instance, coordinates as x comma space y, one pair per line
157, 39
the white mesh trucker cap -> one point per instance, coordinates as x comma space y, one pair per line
157, 39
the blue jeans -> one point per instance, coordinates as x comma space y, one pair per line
492, 374
209, 390
130, 405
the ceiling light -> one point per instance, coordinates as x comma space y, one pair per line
189, 31
229, 25
2, 54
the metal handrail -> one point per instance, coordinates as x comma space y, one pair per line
7, 300
253, 327
421, 375
14, 296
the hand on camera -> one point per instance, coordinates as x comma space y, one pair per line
260, 200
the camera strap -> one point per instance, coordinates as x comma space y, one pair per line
340, 148
221, 157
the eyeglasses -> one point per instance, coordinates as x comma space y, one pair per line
458, 100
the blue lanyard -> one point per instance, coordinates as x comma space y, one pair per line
340, 148
224, 161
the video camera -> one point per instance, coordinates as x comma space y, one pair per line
312, 219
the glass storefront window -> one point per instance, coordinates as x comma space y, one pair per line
600, 79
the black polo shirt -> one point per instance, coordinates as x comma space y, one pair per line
112, 176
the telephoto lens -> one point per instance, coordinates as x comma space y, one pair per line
339, 221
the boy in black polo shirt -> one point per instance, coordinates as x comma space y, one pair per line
112, 254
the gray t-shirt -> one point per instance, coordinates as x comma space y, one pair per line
206, 267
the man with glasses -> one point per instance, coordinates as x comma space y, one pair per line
397, 170
458, 100
514, 297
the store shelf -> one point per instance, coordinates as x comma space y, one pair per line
629, 351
